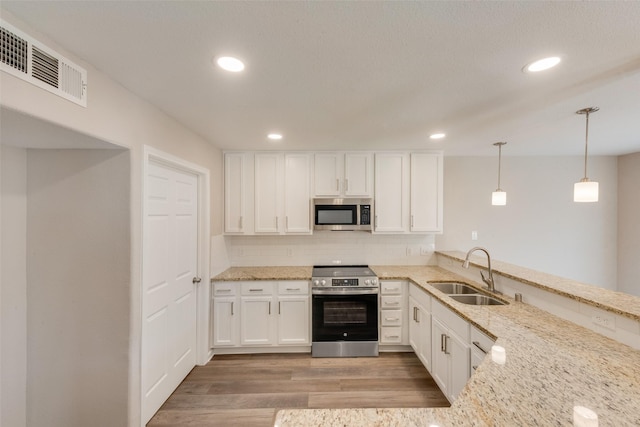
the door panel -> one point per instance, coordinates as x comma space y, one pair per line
169, 266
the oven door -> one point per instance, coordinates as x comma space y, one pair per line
345, 317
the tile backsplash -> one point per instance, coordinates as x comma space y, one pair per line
327, 248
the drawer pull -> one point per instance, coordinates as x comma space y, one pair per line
293, 289
232, 308
222, 290
269, 307
392, 336
477, 344
392, 318
392, 303
256, 290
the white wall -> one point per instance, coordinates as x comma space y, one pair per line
323, 248
13, 289
540, 227
115, 115
628, 224
78, 273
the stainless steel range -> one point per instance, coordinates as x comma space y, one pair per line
344, 311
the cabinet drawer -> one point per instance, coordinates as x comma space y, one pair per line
391, 301
221, 289
391, 317
391, 335
391, 287
455, 323
257, 288
480, 341
293, 287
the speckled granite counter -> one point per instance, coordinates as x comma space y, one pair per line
236, 274
552, 365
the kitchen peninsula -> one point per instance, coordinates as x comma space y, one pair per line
552, 364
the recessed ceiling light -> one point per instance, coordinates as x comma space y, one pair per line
275, 136
542, 64
437, 135
229, 63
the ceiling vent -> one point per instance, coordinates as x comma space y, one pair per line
34, 62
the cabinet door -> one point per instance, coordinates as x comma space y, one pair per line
327, 174
390, 195
420, 332
439, 359
255, 321
268, 184
225, 321
235, 188
459, 365
293, 320
297, 198
358, 175
426, 192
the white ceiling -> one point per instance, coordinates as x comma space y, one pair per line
370, 75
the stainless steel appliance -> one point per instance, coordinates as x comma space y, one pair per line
344, 311
342, 214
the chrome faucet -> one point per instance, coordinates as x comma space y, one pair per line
488, 280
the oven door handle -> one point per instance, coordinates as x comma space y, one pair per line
345, 291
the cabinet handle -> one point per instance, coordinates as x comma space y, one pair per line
279, 311
412, 220
276, 223
269, 307
474, 367
337, 185
346, 185
241, 223
443, 343
232, 308
477, 344
446, 344
256, 290
222, 290
293, 289
392, 336
392, 303
392, 318
375, 221
286, 223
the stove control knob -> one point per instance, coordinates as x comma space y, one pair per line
323, 282
367, 282
316, 282
374, 282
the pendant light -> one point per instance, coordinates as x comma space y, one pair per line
585, 190
499, 197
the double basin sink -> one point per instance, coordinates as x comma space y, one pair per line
465, 294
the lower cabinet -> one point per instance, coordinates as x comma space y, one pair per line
393, 309
449, 350
420, 324
261, 314
480, 347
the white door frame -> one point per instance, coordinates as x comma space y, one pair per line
150, 154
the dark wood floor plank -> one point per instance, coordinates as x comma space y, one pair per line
237, 401
261, 386
376, 399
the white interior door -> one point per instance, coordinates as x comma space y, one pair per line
170, 264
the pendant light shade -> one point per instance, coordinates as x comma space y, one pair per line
586, 190
499, 197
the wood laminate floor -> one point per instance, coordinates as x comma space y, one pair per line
247, 390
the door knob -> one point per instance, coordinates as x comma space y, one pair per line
196, 280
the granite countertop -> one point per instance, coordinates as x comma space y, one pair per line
552, 365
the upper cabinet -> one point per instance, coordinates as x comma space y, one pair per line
238, 193
408, 193
343, 174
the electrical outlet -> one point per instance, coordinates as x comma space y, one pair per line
409, 251
606, 321
424, 250
474, 235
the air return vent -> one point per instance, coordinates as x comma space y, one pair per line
34, 62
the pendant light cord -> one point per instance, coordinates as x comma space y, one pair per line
586, 146
499, 163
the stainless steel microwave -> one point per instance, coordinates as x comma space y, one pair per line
342, 214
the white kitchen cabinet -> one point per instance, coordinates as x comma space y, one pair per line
294, 317
426, 192
343, 174
268, 192
450, 350
420, 324
261, 314
238, 193
282, 193
393, 309
391, 202
256, 305
408, 193
225, 315
297, 193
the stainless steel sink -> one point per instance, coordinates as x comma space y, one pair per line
477, 300
453, 288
